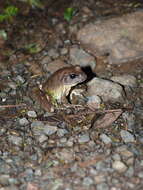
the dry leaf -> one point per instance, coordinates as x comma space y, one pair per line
107, 119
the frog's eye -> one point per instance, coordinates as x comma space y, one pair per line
73, 76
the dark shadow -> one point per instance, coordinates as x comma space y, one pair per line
90, 74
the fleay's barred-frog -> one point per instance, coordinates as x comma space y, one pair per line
57, 87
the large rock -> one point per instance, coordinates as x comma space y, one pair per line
125, 80
120, 37
107, 90
82, 58
55, 65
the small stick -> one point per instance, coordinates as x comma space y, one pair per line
88, 110
12, 106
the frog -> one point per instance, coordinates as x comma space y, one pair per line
55, 90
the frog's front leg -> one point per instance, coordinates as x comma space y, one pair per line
43, 99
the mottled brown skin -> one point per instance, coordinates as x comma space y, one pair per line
59, 84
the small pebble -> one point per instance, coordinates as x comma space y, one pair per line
38, 172
61, 132
46, 59
130, 185
105, 139
102, 166
4, 179
102, 186
66, 156
93, 171
34, 157
3, 95
37, 127
141, 162
13, 181
116, 157
64, 51
42, 138
29, 171
12, 85
70, 142
127, 136
13, 92
84, 138
87, 181
20, 79
67, 42
130, 172
32, 114
115, 181
54, 21
99, 178
119, 166
23, 122
140, 174
15, 140
121, 148
49, 130
63, 140
53, 53
114, 188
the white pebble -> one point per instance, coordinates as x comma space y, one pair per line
119, 166
32, 114
127, 136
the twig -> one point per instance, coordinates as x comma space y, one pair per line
86, 110
81, 107
12, 106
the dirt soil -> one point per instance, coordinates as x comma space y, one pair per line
66, 150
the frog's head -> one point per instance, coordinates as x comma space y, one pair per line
60, 83
72, 76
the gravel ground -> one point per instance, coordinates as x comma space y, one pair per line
41, 150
